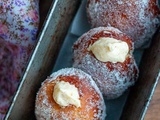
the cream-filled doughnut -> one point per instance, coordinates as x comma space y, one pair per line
137, 18
106, 54
69, 94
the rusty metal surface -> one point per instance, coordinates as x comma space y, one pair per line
43, 58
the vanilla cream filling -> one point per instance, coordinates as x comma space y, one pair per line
66, 94
108, 49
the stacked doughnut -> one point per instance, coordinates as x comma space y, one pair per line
69, 94
106, 54
103, 66
139, 19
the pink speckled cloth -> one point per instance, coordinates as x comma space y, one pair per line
19, 20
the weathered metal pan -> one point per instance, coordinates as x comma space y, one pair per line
49, 49
50, 39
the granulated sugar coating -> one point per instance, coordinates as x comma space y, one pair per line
112, 78
137, 18
92, 103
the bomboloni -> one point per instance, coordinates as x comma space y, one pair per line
69, 94
137, 18
106, 54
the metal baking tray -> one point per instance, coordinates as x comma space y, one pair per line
53, 52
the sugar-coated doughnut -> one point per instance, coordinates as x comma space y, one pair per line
137, 18
111, 63
81, 100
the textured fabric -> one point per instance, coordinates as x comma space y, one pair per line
19, 20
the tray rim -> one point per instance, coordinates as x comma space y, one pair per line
47, 23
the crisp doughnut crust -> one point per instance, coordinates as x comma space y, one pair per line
112, 78
92, 103
137, 18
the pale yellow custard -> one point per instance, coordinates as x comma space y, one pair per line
108, 49
66, 94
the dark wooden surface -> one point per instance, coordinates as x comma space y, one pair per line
153, 112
